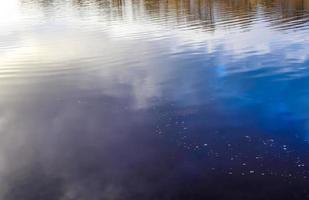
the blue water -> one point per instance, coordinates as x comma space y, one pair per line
151, 99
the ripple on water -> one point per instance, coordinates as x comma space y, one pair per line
117, 99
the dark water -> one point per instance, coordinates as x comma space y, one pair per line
151, 99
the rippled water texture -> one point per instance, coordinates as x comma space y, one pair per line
154, 99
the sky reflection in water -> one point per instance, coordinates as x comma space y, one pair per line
136, 99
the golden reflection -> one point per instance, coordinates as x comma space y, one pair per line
208, 12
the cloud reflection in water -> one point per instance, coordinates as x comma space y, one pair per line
154, 100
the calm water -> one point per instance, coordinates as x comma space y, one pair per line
154, 99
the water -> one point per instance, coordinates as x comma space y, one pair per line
151, 99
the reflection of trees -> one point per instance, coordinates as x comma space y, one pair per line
206, 13
287, 14
292, 8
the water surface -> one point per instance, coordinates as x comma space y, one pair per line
151, 99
